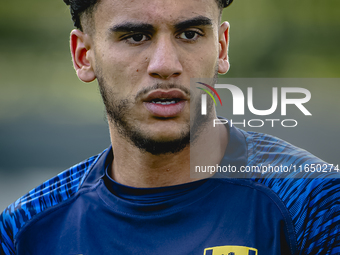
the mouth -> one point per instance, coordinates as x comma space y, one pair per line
166, 103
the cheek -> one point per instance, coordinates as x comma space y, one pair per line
121, 72
205, 60
203, 66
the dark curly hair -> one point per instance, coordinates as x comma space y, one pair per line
78, 7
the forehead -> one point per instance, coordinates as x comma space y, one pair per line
155, 12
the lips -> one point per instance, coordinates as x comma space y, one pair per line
165, 104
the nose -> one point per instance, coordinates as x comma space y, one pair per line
164, 62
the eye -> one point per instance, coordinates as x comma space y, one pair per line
190, 35
136, 38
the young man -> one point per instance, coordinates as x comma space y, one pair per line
137, 196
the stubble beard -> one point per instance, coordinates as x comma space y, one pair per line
118, 110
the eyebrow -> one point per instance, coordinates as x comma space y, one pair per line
194, 22
132, 27
136, 27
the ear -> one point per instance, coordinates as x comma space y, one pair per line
223, 60
80, 44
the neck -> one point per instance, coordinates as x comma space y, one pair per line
136, 168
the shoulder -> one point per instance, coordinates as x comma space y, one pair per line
310, 190
288, 161
313, 205
268, 148
51, 193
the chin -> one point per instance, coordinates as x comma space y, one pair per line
161, 141
167, 137
167, 130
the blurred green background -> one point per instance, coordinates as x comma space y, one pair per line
49, 120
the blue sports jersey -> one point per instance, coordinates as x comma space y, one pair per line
84, 211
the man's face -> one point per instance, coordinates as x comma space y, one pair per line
144, 54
